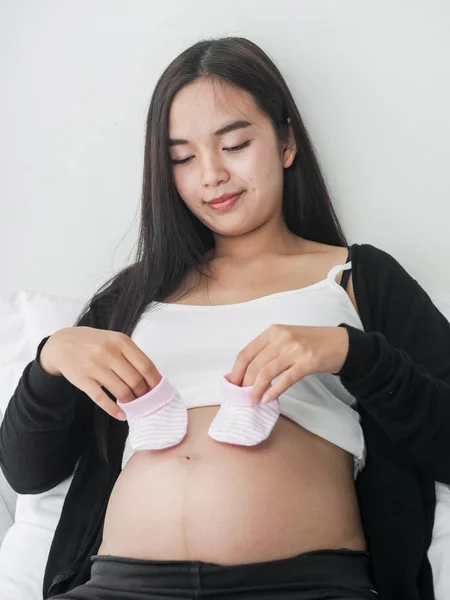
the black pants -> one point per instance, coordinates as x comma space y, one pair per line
318, 575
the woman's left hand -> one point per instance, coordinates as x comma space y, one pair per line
295, 351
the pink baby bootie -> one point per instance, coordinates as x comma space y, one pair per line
238, 421
156, 420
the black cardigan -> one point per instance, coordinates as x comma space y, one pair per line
398, 369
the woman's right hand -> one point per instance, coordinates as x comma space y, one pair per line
90, 358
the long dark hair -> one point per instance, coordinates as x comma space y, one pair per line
172, 241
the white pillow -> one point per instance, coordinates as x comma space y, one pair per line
8, 498
26, 545
30, 316
7, 503
26, 317
439, 551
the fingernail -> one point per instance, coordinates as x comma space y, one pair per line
122, 416
265, 398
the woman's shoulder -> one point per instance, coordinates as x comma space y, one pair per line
374, 273
376, 265
369, 262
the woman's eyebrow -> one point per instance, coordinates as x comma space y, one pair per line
225, 129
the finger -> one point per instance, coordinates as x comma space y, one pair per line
272, 369
287, 379
259, 363
274, 359
133, 379
141, 362
245, 357
93, 389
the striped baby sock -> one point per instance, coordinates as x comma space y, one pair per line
238, 421
156, 420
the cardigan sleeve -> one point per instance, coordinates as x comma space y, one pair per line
44, 426
400, 371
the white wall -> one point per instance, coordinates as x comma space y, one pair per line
371, 79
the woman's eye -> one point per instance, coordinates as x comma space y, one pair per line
232, 149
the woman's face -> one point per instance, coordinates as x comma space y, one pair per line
211, 169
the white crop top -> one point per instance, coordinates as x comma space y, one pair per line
195, 345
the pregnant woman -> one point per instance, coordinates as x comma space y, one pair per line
280, 438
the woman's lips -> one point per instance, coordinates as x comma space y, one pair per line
226, 204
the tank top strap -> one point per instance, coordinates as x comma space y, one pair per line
331, 277
334, 271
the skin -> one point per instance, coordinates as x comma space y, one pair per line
294, 492
257, 229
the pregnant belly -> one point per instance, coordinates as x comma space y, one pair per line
228, 504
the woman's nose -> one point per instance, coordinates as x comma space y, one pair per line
213, 172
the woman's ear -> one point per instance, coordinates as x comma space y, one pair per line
289, 149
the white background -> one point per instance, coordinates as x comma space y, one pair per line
371, 80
